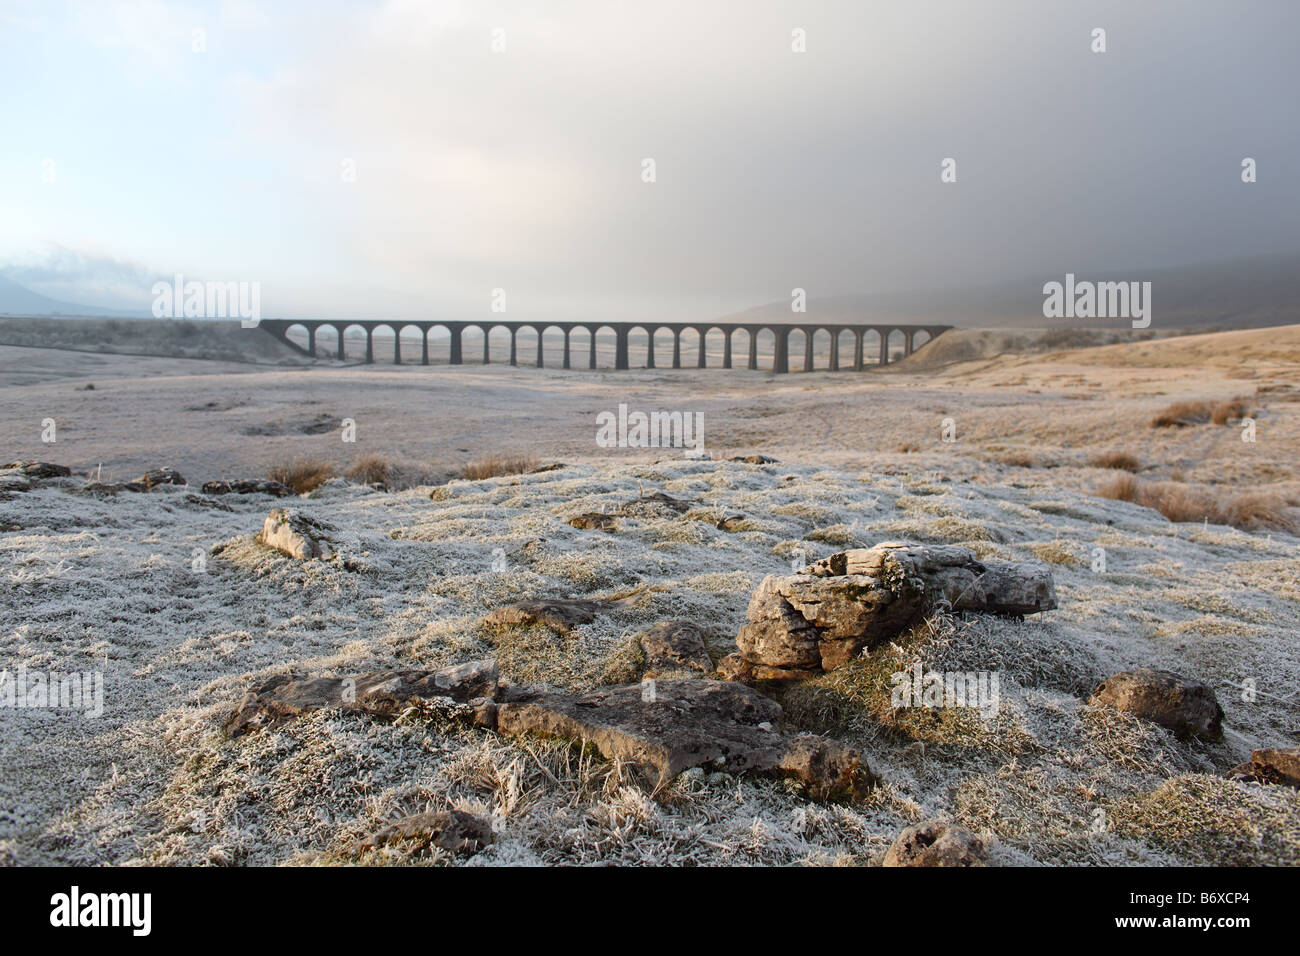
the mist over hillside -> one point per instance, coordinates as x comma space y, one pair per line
1237, 293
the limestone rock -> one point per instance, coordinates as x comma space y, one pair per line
296, 535
676, 645
1273, 765
384, 693
263, 486
452, 830
159, 476
936, 844
735, 667
828, 769
1185, 706
730, 522
560, 614
820, 619
594, 521
673, 725
38, 469
949, 576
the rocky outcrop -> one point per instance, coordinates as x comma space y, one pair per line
1181, 704
454, 831
798, 625
296, 535
667, 726
383, 694
948, 577
675, 646
1273, 765
936, 844
259, 486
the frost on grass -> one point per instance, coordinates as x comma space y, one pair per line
181, 608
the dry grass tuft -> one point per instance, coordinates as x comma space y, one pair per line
395, 474
1055, 552
302, 474
1119, 460
1249, 510
370, 469
1120, 488
1017, 459
498, 465
1257, 509
1181, 414
1232, 410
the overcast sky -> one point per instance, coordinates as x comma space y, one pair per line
522, 169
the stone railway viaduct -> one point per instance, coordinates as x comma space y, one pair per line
781, 335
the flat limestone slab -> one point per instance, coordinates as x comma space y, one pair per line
674, 725
287, 696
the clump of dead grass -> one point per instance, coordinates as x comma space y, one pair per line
394, 474
369, 469
1232, 410
1248, 510
497, 465
1182, 414
302, 474
1055, 552
1118, 460
1017, 458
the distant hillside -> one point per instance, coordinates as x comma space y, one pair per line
1243, 293
19, 300
172, 338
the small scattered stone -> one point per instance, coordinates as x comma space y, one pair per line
160, 476
1185, 706
452, 830
1273, 765
296, 535
594, 521
675, 645
730, 522
38, 469
936, 844
256, 486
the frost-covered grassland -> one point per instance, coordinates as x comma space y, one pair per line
111, 583
168, 594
